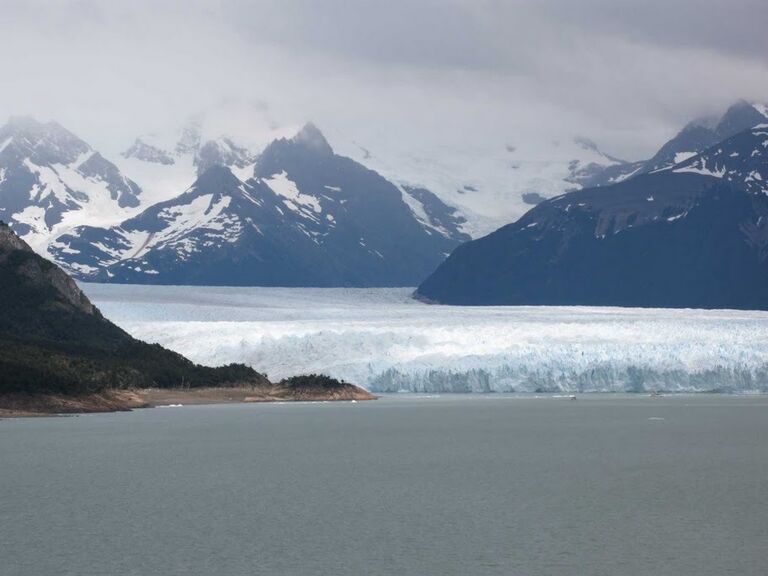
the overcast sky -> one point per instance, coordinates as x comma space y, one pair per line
625, 73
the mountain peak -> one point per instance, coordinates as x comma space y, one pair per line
45, 141
146, 152
24, 122
310, 137
741, 115
217, 174
31, 126
222, 152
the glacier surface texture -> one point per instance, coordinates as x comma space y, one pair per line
387, 342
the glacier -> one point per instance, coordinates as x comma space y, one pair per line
386, 341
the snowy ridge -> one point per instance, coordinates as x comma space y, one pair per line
215, 202
385, 341
52, 182
169, 161
741, 159
695, 138
486, 183
195, 221
298, 215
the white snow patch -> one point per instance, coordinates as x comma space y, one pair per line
683, 156
293, 197
623, 177
700, 167
243, 174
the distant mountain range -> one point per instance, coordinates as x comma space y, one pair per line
688, 229
295, 215
195, 207
695, 137
299, 216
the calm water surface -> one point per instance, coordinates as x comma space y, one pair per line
608, 485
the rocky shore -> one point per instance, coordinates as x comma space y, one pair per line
28, 405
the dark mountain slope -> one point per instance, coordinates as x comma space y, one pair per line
695, 235
53, 340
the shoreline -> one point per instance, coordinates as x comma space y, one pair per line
41, 405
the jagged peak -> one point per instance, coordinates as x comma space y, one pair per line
221, 151
741, 115
34, 128
143, 150
312, 138
218, 176
45, 141
739, 105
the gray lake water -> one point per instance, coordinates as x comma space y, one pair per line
608, 485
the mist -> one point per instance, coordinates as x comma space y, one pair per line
423, 72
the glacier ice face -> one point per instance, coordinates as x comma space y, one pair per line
384, 340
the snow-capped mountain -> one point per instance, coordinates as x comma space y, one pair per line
694, 138
164, 167
168, 161
51, 181
304, 216
694, 234
221, 151
490, 183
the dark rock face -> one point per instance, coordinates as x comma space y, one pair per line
307, 217
694, 235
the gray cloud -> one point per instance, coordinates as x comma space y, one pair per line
626, 73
